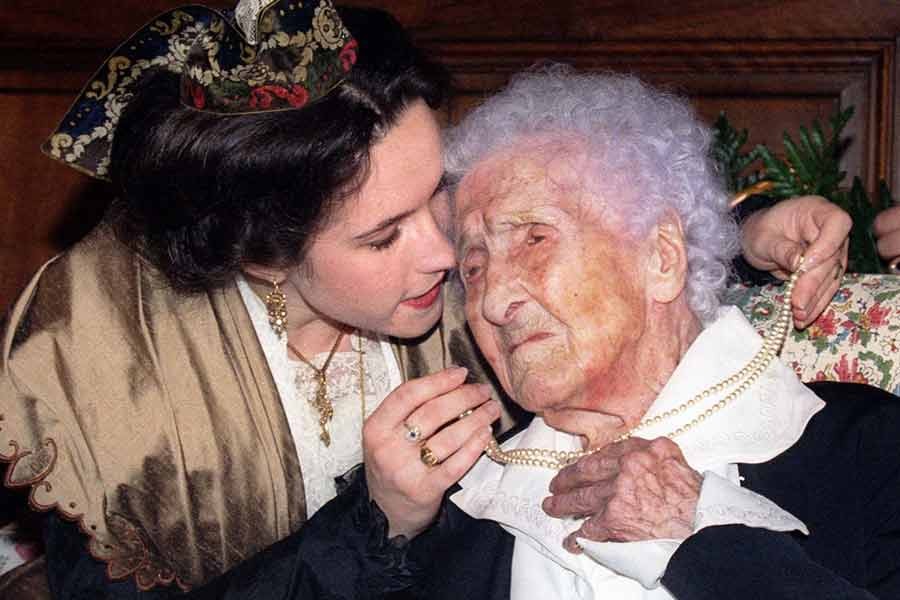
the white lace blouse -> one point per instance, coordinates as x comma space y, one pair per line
297, 385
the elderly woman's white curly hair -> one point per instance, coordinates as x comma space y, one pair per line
645, 141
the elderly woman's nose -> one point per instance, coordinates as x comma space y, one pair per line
503, 295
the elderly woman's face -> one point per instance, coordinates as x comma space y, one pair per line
554, 297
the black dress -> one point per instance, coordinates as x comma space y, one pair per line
842, 478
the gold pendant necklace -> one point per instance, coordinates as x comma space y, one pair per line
738, 383
320, 401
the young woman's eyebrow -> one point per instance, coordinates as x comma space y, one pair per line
393, 220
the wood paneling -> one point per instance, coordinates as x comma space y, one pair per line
646, 20
772, 64
766, 87
103, 23
44, 205
72, 24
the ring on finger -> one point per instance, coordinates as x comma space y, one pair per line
465, 414
427, 456
413, 432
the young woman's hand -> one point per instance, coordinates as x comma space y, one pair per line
887, 230
420, 441
810, 226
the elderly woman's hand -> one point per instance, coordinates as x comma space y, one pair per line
407, 490
775, 238
629, 491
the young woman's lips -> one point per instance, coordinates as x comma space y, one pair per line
427, 299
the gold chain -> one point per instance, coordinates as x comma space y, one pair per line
320, 401
739, 381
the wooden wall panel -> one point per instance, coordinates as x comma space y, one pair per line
646, 20
773, 64
45, 206
773, 86
103, 23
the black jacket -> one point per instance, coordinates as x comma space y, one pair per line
842, 478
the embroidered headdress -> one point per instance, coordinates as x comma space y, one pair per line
273, 55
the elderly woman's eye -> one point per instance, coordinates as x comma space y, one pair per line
537, 234
471, 272
471, 266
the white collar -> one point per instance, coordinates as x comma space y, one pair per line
759, 425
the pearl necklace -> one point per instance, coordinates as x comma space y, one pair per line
738, 383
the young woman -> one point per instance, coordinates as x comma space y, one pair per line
184, 386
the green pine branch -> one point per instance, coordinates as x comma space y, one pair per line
727, 151
811, 165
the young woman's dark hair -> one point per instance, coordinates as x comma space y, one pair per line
201, 194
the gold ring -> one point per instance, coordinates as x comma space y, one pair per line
464, 414
413, 433
427, 456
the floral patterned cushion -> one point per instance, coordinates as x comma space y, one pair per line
856, 339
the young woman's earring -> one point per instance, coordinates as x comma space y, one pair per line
276, 306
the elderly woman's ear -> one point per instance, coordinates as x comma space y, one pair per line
667, 261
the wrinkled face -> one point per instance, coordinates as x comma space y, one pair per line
554, 295
380, 263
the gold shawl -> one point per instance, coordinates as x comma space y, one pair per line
151, 418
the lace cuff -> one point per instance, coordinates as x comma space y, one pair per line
724, 503
720, 503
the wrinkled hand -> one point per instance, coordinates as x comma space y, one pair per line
629, 491
774, 239
887, 230
407, 491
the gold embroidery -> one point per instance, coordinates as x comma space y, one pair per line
179, 19
248, 53
101, 90
58, 143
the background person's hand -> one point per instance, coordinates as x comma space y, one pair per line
887, 231
774, 239
629, 491
408, 491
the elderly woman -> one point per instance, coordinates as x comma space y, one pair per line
594, 241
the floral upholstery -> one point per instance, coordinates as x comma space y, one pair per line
856, 339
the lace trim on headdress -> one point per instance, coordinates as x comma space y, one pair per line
247, 15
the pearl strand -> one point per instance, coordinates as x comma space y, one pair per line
742, 379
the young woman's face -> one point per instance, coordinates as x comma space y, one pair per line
380, 263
